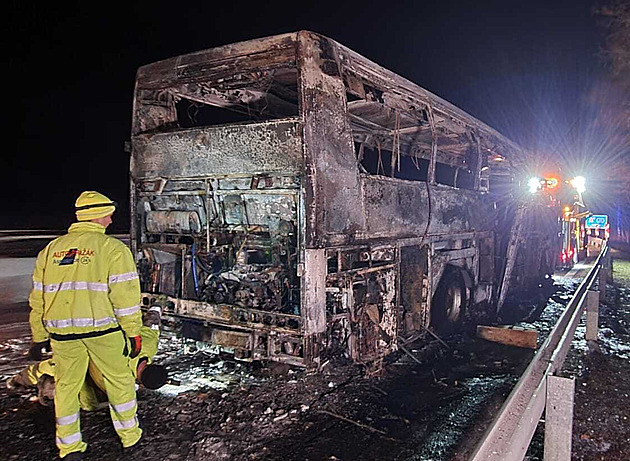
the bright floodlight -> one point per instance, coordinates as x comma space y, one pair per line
579, 183
534, 184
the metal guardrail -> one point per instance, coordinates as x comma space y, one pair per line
510, 434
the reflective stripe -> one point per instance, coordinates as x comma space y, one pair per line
126, 424
38, 286
65, 420
73, 438
81, 322
123, 406
127, 276
126, 311
91, 286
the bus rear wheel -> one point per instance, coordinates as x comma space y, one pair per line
449, 302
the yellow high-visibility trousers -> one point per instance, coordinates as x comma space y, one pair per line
71, 359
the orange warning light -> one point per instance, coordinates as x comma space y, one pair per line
552, 182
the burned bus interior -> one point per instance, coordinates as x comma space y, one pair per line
293, 201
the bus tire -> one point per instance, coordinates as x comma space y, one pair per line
449, 302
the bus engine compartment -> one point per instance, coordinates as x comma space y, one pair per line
224, 250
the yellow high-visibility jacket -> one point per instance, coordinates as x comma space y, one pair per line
83, 282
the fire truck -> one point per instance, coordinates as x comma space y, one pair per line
566, 196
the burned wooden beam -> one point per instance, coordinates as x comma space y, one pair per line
509, 335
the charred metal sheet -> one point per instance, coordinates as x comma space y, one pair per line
314, 303
218, 62
180, 222
332, 179
414, 273
396, 209
314, 291
376, 313
234, 339
270, 147
258, 209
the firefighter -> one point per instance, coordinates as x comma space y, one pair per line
92, 395
84, 303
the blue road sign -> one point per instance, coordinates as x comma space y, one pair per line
596, 221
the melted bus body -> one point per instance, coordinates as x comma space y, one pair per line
295, 201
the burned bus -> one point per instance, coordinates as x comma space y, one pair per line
294, 201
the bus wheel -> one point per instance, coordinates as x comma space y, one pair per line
449, 302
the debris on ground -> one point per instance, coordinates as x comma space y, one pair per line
421, 404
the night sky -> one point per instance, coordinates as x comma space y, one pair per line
525, 68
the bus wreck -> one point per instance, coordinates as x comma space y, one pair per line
295, 201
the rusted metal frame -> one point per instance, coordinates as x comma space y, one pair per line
372, 126
415, 146
289, 192
371, 71
133, 237
246, 326
451, 157
460, 122
310, 216
162, 71
479, 165
399, 306
368, 124
179, 74
511, 255
207, 177
434, 148
362, 271
353, 346
197, 72
371, 246
214, 212
430, 238
173, 193
235, 126
510, 433
226, 98
183, 273
173, 248
300, 226
458, 254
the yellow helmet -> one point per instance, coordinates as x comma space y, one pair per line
92, 205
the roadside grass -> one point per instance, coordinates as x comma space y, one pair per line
621, 271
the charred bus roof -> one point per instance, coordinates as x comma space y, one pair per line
236, 64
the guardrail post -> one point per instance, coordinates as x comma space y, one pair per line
602, 282
559, 418
592, 315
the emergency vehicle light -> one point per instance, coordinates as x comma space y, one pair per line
578, 183
534, 184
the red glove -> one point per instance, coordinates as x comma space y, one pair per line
136, 346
